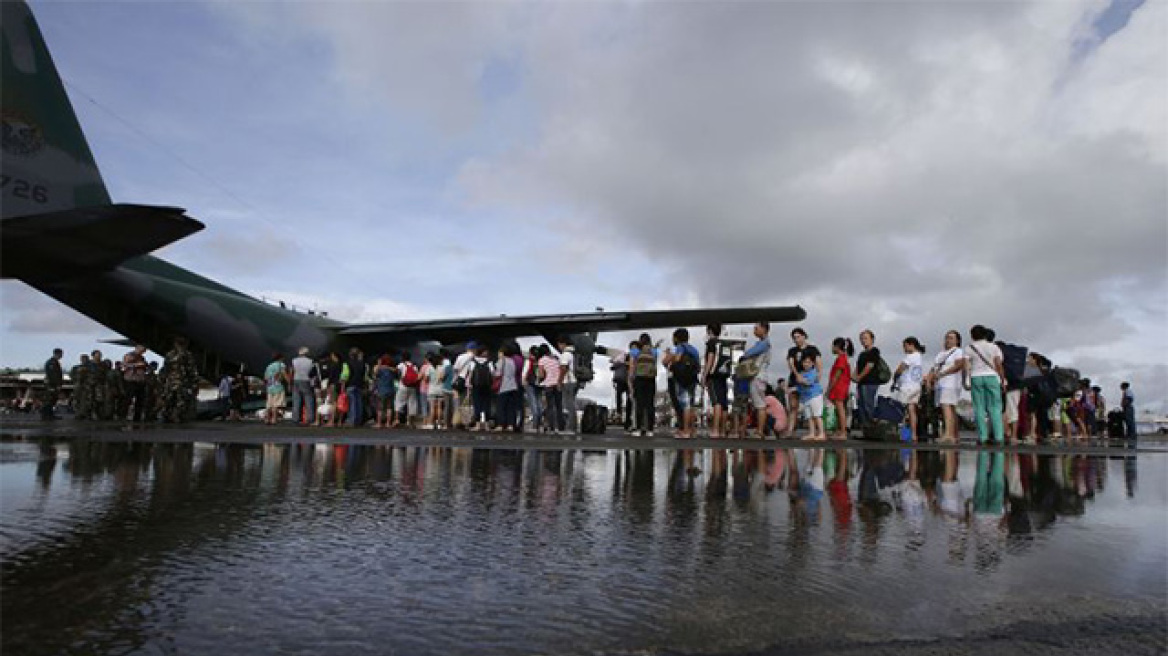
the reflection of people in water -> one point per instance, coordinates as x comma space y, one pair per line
837, 491
717, 483
1129, 476
910, 496
989, 490
776, 464
949, 497
989, 511
809, 493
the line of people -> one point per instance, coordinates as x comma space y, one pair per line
1010, 403
478, 390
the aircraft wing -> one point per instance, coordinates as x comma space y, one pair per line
548, 326
57, 245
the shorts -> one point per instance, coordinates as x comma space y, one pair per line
383, 403
407, 400
1013, 398
718, 391
812, 407
742, 402
758, 393
685, 396
275, 401
948, 396
908, 395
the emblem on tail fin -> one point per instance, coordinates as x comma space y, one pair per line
22, 137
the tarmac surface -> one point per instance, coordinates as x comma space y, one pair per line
252, 432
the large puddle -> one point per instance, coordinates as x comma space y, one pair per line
112, 548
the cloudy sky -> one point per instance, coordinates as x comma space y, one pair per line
904, 166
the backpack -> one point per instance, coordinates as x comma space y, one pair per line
1014, 363
582, 369
645, 366
685, 368
1066, 381
411, 377
883, 373
721, 362
481, 377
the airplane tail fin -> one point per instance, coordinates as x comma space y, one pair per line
46, 165
56, 219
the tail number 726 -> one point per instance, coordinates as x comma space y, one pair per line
24, 189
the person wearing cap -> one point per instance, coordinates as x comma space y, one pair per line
302, 393
463, 365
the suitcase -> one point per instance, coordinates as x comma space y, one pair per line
595, 420
1116, 427
889, 409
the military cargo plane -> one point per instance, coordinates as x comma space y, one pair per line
61, 233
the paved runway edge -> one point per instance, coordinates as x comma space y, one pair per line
257, 434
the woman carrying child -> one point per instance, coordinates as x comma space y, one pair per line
811, 398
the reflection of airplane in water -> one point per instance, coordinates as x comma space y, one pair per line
62, 235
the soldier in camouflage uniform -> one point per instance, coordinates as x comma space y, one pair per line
153, 403
116, 399
180, 383
54, 378
80, 400
99, 386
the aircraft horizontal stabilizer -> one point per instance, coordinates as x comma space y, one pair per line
60, 245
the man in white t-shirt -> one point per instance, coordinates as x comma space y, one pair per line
463, 365
568, 380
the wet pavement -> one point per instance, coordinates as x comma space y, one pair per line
195, 547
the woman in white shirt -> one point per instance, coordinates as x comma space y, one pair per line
909, 376
945, 378
983, 361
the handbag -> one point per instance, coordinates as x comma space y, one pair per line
342, 402
747, 368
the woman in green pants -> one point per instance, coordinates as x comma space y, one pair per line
983, 361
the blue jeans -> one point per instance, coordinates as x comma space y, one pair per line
356, 406
510, 405
481, 401
569, 402
302, 395
1129, 420
866, 397
554, 408
533, 401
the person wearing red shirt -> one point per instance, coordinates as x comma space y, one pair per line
840, 382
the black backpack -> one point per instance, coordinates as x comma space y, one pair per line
685, 369
1066, 381
481, 377
1014, 363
